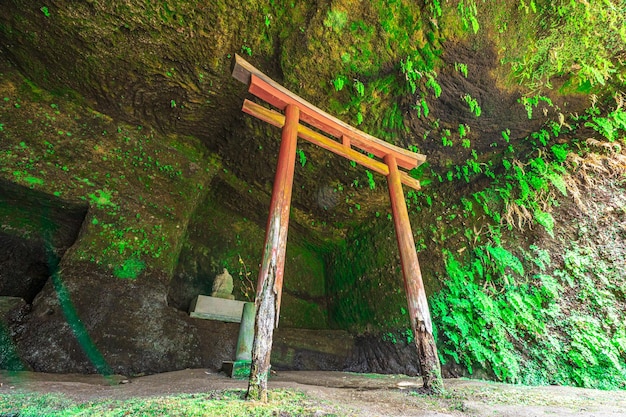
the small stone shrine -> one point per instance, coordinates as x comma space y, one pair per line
223, 286
222, 306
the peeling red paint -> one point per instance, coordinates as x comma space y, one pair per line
269, 287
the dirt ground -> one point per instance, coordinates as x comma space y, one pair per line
356, 394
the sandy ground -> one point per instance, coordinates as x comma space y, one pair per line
355, 394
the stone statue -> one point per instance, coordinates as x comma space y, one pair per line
223, 286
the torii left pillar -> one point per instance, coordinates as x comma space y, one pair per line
269, 287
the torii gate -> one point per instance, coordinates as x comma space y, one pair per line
269, 286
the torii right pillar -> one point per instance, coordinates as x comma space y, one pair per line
419, 313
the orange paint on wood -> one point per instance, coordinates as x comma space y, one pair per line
278, 96
269, 288
271, 275
415, 293
276, 119
280, 205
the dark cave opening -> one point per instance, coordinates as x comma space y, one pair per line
36, 229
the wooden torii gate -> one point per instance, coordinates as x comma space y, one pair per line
269, 286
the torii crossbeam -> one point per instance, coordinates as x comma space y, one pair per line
269, 287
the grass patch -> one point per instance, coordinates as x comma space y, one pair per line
213, 403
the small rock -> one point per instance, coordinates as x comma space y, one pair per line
406, 384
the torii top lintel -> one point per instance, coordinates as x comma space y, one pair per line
279, 97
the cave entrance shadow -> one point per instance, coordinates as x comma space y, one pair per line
36, 229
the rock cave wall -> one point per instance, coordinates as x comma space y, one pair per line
129, 110
220, 237
37, 229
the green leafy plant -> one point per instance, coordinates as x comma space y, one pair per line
463, 130
469, 15
530, 102
370, 180
245, 49
528, 7
359, 118
473, 105
609, 126
339, 82
301, 157
435, 7
424, 107
489, 315
247, 286
359, 88
506, 135
562, 48
412, 74
462, 68
445, 138
130, 269
433, 84
101, 198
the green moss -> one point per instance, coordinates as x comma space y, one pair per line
137, 182
365, 282
302, 314
304, 271
219, 238
9, 357
130, 269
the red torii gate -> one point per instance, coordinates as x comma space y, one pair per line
269, 287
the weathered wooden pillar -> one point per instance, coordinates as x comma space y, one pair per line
419, 313
269, 287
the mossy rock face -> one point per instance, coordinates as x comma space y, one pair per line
302, 314
10, 307
220, 238
129, 330
140, 185
134, 59
131, 190
365, 284
36, 230
304, 270
128, 109
347, 38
